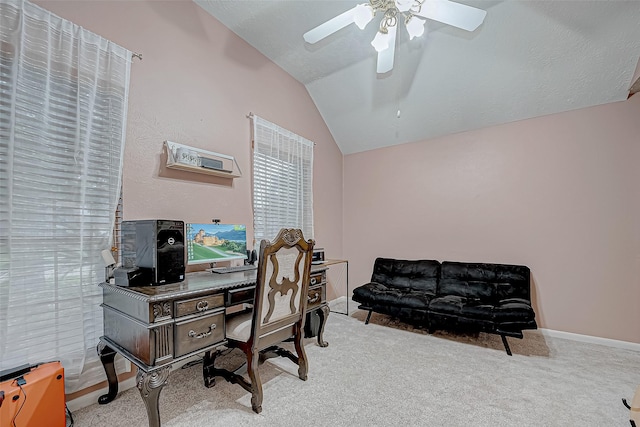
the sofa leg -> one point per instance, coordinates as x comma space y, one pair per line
506, 344
366, 322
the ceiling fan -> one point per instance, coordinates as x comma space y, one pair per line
414, 12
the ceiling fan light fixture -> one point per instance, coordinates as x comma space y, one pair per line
451, 13
404, 5
415, 13
362, 15
385, 57
414, 26
381, 41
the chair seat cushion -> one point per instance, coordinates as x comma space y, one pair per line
238, 327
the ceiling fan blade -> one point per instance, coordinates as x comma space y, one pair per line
385, 57
331, 26
451, 13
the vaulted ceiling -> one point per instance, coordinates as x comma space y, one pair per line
529, 58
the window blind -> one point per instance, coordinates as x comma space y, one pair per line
282, 181
63, 105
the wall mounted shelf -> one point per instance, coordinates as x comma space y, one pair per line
190, 159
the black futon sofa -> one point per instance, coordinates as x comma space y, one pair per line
460, 296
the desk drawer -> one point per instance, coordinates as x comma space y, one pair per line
194, 334
198, 305
239, 296
316, 279
316, 296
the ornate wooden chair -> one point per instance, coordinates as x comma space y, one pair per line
278, 314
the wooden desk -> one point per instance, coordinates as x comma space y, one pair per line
157, 326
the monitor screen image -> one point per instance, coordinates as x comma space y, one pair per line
208, 243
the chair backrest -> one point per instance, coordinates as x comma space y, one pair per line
282, 283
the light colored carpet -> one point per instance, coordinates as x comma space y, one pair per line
388, 374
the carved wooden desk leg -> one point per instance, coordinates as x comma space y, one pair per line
107, 356
323, 312
150, 386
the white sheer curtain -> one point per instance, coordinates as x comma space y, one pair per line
63, 105
282, 181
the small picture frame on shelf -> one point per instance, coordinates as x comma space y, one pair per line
187, 157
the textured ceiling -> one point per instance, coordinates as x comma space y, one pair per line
528, 59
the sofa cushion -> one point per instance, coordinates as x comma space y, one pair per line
489, 282
380, 294
483, 291
517, 287
513, 310
460, 306
419, 275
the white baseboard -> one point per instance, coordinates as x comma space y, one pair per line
91, 398
626, 345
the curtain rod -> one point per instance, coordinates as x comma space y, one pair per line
136, 55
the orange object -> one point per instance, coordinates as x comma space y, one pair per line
40, 402
634, 415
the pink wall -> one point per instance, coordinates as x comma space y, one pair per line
558, 193
195, 85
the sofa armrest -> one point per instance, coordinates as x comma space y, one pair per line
365, 290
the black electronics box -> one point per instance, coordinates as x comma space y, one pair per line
133, 276
155, 246
212, 164
318, 256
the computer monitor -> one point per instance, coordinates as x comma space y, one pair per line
209, 243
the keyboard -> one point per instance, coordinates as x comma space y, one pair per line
225, 270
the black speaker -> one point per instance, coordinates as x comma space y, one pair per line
252, 257
157, 245
312, 324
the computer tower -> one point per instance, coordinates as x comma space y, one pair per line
312, 324
155, 246
34, 397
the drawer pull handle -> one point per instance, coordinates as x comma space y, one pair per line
193, 333
313, 280
315, 298
202, 305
